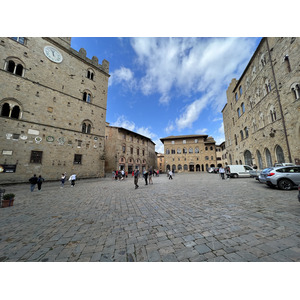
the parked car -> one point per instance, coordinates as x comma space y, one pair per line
262, 177
283, 164
210, 170
216, 170
255, 173
285, 178
238, 170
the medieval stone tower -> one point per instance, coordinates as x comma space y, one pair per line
52, 110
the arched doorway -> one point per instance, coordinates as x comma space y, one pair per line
279, 154
248, 158
259, 159
191, 167
197, 168
268, 158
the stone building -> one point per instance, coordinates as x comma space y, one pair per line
160, 162
127, 150
52, 110
191, 153
221, 155
262, 114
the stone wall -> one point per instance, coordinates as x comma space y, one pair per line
258, 91
50, 96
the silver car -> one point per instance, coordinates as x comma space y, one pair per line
262, 177
285, 178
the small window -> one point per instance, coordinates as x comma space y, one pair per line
20, 40
206, 158
36, 157
191, 150
211, 148
184, 150
131, 150
196, 141
243, 107
178, 151
184, 141
172, 151
173, 142
287, 63
167, 151
240, 90
196, 150
123, 149
90, 75
143, 151
138, 151
87, 97
246, 132
236, 97
239, 112
206, 148
77, 159
242, 135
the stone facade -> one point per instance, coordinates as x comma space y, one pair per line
191, 153
127, 150
160, 162
221, 155
262, 114
52, 110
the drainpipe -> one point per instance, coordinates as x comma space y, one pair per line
280, 107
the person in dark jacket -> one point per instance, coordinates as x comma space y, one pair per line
40, 180
33, 181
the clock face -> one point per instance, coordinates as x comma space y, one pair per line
53, 54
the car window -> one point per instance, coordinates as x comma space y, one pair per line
247, 168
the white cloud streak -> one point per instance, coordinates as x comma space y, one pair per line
190, 67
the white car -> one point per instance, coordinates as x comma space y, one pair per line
236, 171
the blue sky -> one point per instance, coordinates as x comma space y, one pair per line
169, 86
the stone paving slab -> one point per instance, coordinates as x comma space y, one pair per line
192, 218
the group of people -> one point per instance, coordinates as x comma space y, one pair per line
223, 171
34, 180
119, 174
146, 175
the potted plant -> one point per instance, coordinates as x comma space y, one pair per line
8, 200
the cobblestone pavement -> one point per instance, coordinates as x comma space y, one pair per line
194, 217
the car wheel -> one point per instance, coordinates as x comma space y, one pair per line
285, 184
235, 176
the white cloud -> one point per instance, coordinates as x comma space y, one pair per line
123, 122
190, 66
202, 131
124, 76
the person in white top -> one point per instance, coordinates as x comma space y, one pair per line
72, 179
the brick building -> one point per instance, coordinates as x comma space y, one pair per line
52, 110
127, 150
191, 153
262, 114
160, 162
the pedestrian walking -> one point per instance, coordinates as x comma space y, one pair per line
150, 176
72, 179
145, 174
136, 178
227, 172
170, 175
33, 182
113, 174
40, 181
222, 172
62, 180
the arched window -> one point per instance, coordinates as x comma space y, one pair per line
86, 127
268, 158
296, 90
242, 135
87, 96
279, 154
172, 151
185, 167
14, 66
90, 74
211, 147
184, 150
230, 159
243, 107
5, 111
178, 151
273, 114
173, 167
179, 167
191, 150
11, 109
287, 63
167, 151
240, 90
196, 150
248, 158
259, 159
246, 132
235, 138
236, 97
239, 112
